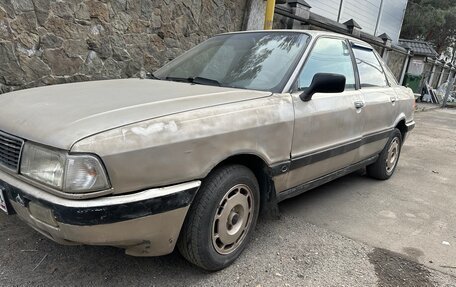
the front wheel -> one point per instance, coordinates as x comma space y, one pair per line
386, 163
221, 219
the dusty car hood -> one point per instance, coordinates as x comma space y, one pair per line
61, 115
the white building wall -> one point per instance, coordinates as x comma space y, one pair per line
391, 18
374, 16
365, 12
326, 8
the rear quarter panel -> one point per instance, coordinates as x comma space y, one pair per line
406, 103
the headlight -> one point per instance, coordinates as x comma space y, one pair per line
43, 165
69, 173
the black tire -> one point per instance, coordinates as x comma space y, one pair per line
196, 241
380, 169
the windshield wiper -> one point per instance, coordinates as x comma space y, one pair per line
206, 81
196, 80
152, 76
177, 79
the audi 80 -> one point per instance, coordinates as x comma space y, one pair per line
189, 156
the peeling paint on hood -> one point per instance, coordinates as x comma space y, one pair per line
61, 115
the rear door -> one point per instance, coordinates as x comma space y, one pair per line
328, 127
378, 109
392, 81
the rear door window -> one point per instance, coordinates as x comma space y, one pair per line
370, 71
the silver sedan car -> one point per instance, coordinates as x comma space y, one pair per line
192, 156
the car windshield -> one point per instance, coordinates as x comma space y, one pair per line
257, 61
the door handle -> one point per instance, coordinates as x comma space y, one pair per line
359, 104
393, 99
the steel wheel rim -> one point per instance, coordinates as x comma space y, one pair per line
232, 219
393, 155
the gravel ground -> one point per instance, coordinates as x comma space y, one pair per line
285, 252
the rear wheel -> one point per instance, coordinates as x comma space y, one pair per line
221, 219
387, 161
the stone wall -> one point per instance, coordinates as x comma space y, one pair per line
256, 12
57, 41
396, 63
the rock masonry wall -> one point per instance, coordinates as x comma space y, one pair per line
45, 42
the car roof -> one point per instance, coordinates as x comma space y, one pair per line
312, 33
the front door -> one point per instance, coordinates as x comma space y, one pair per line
328, 127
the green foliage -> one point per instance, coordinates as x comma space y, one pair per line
431, 20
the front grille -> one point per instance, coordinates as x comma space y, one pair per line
10, 151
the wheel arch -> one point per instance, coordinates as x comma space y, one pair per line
401, 126
262, 172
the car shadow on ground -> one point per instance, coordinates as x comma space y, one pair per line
343, 187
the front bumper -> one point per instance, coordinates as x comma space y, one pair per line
145, 223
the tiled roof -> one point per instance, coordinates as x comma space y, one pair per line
419, 47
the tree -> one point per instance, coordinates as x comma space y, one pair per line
431, 20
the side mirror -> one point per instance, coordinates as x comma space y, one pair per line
324, 83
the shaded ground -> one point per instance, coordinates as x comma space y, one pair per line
332, 236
